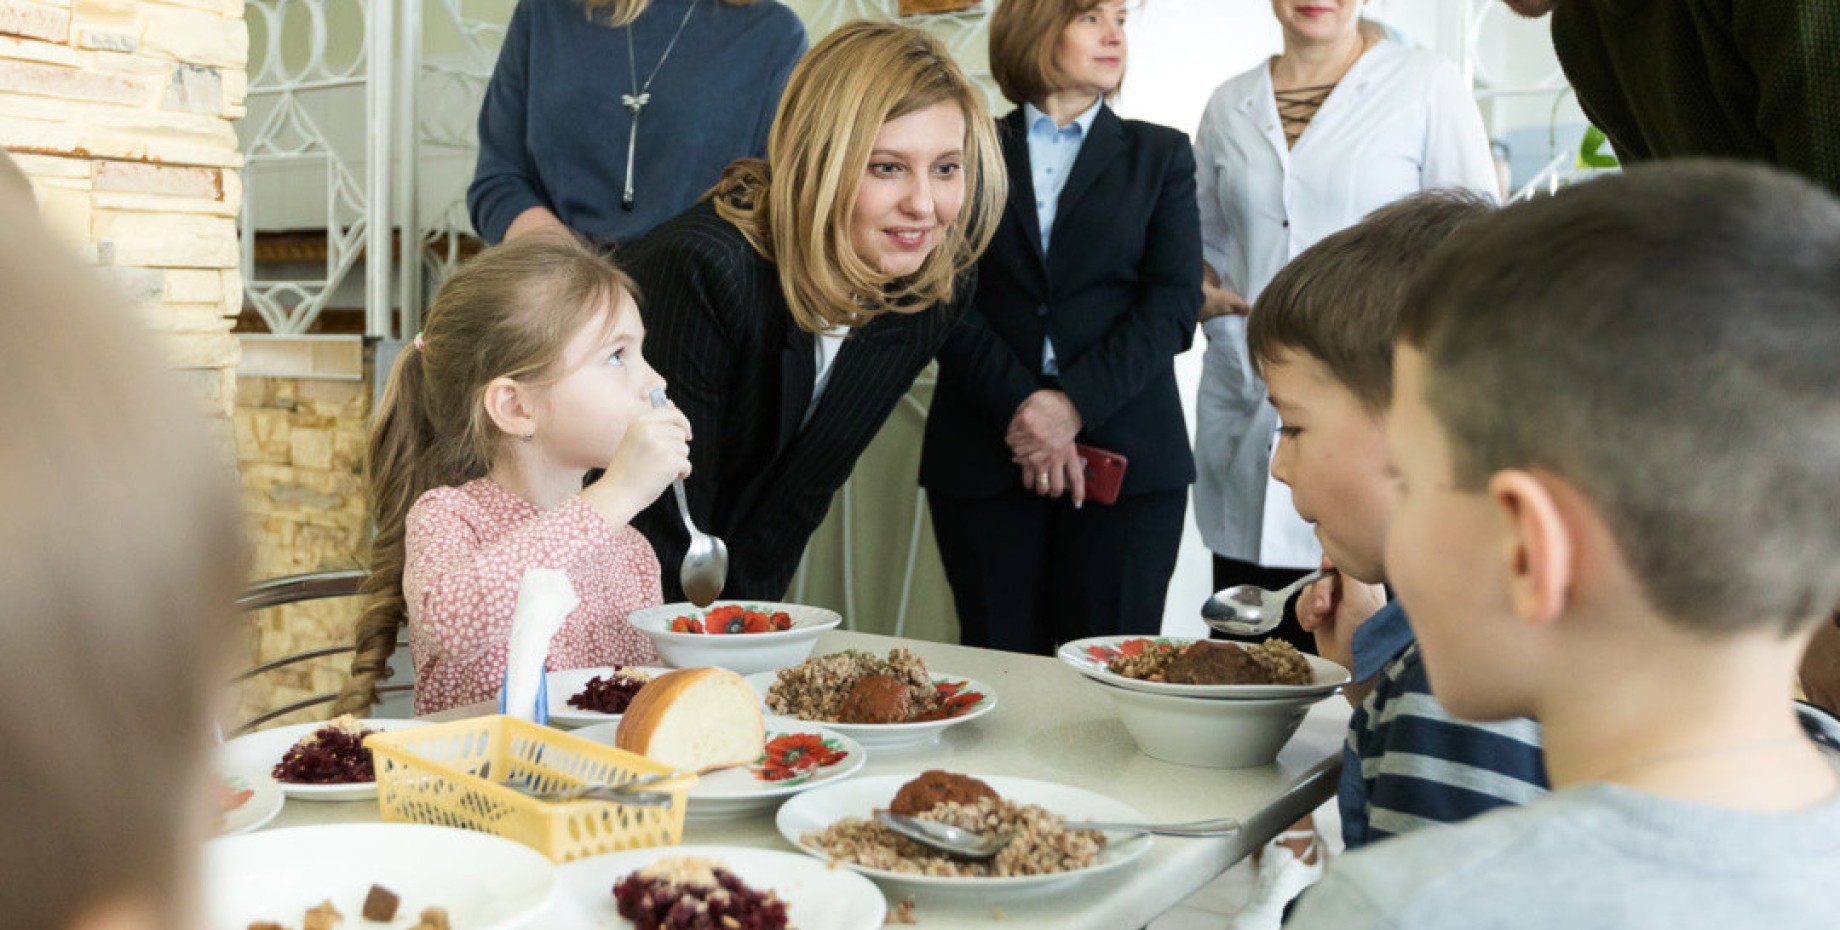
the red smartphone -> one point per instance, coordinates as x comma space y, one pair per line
1104, 473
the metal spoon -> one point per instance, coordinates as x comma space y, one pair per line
1249, 610
630, 793
705, 565
969, 845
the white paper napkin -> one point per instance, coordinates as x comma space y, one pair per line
544, 601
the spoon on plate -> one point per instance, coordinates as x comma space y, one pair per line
1249, 610
967, 844
705, 565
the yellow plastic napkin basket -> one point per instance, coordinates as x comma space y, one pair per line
432, 775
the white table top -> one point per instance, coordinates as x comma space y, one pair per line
1053, 725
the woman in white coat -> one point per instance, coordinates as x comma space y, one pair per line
1344, 121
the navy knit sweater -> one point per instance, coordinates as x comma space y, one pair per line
553, 133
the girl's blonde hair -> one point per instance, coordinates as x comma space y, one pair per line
120, 556
618, 13
508, 313
795, 208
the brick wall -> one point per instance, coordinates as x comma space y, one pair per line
120, 112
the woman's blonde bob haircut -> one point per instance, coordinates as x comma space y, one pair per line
795, 208
1023, 34
617, 13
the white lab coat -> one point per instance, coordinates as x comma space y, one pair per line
1400, 121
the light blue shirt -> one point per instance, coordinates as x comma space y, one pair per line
1052, 151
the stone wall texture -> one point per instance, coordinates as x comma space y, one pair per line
300, 448
120, 112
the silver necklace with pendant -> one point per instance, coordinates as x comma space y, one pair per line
642, 95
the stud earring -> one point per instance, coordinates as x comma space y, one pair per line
529, 436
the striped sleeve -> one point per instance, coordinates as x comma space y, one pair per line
1418, 765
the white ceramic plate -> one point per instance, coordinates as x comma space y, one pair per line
735, 792
1087, 656
742, 653
485, 882
892, 736
817, 897
259, 752
265, 801
569, 682
862, 797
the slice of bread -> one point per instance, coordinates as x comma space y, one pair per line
698, 719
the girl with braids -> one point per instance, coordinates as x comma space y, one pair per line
528, 375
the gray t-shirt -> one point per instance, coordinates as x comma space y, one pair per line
1593, 856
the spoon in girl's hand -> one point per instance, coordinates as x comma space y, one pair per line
705, 565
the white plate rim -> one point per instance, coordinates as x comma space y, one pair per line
361, 835
867, 898
1330, 677
1011, 788
349, 791
562, 715
263, 806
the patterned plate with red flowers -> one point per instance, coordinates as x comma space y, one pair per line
797, 756
1092, 657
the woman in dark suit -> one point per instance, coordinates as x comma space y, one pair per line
1090, 285
791, 309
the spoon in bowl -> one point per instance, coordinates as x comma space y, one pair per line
967, 844
1249, 610
705, 565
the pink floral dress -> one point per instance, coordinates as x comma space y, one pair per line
468, 548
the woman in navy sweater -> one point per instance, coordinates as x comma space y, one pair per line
558, 144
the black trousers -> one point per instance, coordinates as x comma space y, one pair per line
1028, 572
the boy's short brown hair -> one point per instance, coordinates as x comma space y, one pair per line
1023, 34
1667, 341
1339, 301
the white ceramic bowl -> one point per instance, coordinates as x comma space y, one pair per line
744, 653
1206, 732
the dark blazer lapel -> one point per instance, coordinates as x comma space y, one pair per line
798, 369
1014, 138
1105, 143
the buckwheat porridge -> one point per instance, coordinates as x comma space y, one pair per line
1043, 842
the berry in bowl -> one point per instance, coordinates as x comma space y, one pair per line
742, 636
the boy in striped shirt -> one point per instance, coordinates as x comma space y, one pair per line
1322, 337
1616, 420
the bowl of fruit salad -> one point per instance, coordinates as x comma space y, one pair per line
741, 636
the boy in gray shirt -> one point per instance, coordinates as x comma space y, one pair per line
1616, 419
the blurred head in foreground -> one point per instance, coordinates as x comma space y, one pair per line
119, 558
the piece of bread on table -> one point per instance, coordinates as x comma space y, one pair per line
698, 719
